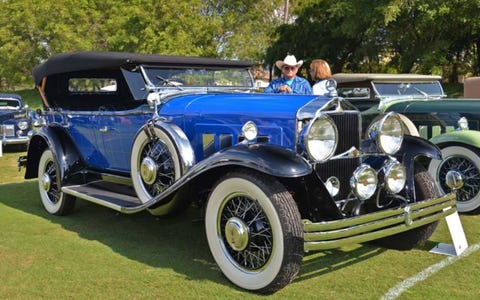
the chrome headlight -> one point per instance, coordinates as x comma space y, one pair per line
364, 182
250, 131
395, 177
462, 124
22, 125
388, 133
320, 138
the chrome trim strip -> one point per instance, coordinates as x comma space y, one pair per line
337, 233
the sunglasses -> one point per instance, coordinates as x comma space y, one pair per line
289, 68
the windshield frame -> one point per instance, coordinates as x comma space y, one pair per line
408, 89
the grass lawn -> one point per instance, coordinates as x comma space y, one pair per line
97, 253
100, 254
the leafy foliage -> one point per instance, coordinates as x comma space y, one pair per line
32, 30
424, 36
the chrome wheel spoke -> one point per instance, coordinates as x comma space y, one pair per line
257, 253
469, 172
165, 175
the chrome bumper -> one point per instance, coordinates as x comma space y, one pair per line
337, 233
14, 140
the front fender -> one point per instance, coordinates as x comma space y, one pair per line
54, 138
269, 159
412, 148
469, 137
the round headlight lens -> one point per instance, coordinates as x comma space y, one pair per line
321, 138
364, 182
250, 131
390, 134
395, 177
22, 125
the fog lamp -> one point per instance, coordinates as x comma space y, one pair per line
364, 182
395, 177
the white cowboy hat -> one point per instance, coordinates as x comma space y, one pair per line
289, 60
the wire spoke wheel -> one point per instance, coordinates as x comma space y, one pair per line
155, 164
470, 175
253, 229
49, 185
162, 171
465, 163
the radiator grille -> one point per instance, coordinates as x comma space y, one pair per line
348, 130
348, 125
7, 130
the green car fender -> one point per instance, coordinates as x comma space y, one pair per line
468, 137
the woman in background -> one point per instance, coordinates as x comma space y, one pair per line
324, 85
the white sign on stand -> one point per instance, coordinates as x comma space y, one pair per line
458, 238
1, 149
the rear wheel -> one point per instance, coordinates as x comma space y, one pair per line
254, 231
466, 163
425, 188
50, 186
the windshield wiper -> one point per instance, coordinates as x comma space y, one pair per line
168, 82
421, 92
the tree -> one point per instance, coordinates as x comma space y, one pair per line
32, 30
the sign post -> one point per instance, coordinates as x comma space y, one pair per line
458, 238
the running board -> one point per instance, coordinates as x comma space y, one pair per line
112, 195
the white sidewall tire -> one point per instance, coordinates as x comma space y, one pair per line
135, 160
50, 206
250, 280
434, 169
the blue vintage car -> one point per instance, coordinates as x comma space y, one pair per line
15, 124
277, 175
453, 124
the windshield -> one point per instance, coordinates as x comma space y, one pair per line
199, 77
9, 104
411, 89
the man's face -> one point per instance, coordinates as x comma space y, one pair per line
289, 72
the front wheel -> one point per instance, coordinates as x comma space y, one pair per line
54, 200
466, 163
254, 231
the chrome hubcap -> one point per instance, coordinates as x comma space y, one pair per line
148, 170
46, 182
454, 180
236, 234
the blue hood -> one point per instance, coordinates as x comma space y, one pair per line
275, 115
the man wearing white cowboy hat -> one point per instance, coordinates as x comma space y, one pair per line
289, 83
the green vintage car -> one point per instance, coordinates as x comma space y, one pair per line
453, 124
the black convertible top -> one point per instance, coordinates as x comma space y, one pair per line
81, 61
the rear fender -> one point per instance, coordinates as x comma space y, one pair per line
54, 138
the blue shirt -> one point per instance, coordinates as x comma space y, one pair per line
299, 85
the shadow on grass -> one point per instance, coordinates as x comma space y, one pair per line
176, 242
